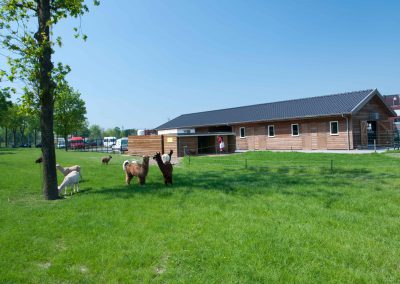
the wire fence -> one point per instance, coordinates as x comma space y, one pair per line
94, 145
355, 167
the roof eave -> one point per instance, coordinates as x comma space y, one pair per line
258, 121
360, 105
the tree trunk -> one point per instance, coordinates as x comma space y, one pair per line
50, 189
14, 130
6, 137
22, 131
66, 142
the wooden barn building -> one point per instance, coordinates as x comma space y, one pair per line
352, 120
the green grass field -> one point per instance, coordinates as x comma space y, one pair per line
244, 218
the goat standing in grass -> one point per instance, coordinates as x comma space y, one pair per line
135, 169
167, 157
165, 168
105, 160
70, 180
65, 171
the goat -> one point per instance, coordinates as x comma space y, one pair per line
67, 170
167, 157
165, 168
105, 160
71, 179
135, 169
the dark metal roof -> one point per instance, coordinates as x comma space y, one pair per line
337, 104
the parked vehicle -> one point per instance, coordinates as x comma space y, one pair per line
109, 141
76, 143
59, 142
121, 145
25, 145
93, 143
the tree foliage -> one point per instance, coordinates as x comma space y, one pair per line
26, 37
95, 132
69, 111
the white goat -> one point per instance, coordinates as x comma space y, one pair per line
166, 158
65, 171
72, 180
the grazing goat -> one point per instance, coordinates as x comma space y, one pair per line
167, 157
67, 170
135, 169
165, 168
72, 180
39, 160
105, 160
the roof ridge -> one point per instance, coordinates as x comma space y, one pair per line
291, 100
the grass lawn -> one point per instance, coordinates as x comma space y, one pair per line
243, 218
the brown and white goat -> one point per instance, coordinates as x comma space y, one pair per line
105, 160
165, 168
135, 169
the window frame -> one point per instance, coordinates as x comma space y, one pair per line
268, 132
244, 132
337, 128
298, 129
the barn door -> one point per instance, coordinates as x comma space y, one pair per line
259, 136
364, 133
250, 138
314, 137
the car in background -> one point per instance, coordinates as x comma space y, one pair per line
109, 141
28, 145
121, 145
93, 143
59, 143
76, 143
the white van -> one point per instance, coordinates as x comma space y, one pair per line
121, 144
109, 141
59, 142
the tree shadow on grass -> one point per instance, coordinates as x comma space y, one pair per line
238, 182
7, 153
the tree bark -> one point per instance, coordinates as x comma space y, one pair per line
6, 137
50, 189
66, 142
14, 130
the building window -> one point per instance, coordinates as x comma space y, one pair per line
334, 127
271, 131
295, 130
242, 132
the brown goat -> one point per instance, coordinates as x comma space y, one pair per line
165, 168
135, 169
105, 160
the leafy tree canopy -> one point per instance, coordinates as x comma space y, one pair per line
69, 111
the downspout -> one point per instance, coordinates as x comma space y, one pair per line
348, 133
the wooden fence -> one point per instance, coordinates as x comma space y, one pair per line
145, 145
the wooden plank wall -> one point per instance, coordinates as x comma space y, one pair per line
384, 127
190, 142
144, 145
314, 135
171, 143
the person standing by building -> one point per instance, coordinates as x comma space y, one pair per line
221, 144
